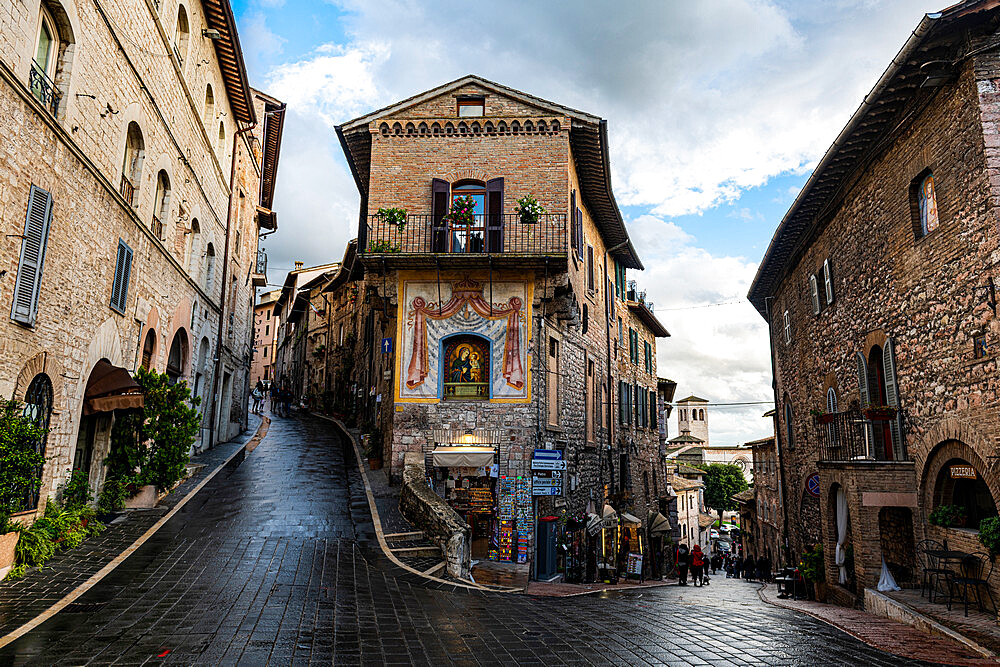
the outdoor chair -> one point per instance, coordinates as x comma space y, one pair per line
974, 574
932, 568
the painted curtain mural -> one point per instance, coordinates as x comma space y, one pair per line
429, 324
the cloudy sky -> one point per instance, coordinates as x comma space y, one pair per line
717, 112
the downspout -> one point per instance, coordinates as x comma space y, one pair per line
607, 349
222, 298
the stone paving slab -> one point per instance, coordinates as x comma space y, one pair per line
979, 626
25, 598
882, 633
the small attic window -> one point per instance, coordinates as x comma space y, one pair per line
469, 107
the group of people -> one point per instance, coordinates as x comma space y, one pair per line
698, 562
281, 398
749, 568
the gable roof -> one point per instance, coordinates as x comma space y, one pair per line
927, 60
588, 139
693, 399
646, 316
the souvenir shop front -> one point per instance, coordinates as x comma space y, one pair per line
465, 476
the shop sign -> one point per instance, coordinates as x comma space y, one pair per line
594, 525
543, 464
634, 565
963, 472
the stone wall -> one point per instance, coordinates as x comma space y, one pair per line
440, 523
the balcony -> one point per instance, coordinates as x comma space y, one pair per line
857, 436
43, 89
157, 227
428, 239
127, 190
259, 276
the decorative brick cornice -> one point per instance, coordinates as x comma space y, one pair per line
451, 127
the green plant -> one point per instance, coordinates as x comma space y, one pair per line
382, 247
394, 216
113, 495
989, 534
60, 528
812, 565
463, 210
19, 459
170, 424
529, 210
76, 493
16, 572
947, 516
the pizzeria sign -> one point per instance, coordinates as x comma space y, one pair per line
963, 472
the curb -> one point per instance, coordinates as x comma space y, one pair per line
639, 588
380, 534
70, 597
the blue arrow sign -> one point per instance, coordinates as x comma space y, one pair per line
386, 346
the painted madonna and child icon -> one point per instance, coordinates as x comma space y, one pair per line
467, 364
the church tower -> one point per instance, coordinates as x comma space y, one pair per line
692, 417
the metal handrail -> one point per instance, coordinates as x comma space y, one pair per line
851, 436
483, 234
43, 88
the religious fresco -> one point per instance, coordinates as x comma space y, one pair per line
476, 332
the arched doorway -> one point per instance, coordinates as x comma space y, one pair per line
201, 370
895, 527
959, 482
843, 551
38, 409
108, 388
177, 357
148, 349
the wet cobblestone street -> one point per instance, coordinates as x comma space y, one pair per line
275, 562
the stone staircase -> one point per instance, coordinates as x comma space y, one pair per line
414, 549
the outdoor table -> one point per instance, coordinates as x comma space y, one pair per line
947, 556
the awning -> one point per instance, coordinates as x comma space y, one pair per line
462, 457
630, 518
110, 388
658, 524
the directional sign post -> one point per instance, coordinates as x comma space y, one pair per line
547, 466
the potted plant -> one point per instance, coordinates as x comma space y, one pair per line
393, 216
18, 474
822, 417
373, 450
529, 210
948, 516
989, 534
462, 211
879, 412
382, 247
813, 569
319, 350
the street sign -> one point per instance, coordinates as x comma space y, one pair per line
545, 491
548, 454
546, 482
544, 464
386, 346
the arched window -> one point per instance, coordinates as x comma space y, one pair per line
701, 415
831, 400
466, 368
193, 244
177, 358
927, 204
960, 483
201, 372
222, 138
181, 34
209, 106
148, 349
789, 430
209, 267
43, 67
161, 203
38, 409
132, 164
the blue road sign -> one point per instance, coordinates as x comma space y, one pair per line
386, 346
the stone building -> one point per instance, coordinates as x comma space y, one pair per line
664, 400
494, 332
265, 329
137, 166
879, 291
692, 417
763, 536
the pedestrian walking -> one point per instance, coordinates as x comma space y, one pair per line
763, 569
257, 394
749, 568
275, 406
683, 558
716, 563
697, 565
738, 567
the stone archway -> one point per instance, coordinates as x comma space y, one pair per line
955, 474
895, 525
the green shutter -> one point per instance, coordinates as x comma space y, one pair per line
123, 271
29, 267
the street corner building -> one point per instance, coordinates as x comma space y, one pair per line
138, 167
879, 288
509, 359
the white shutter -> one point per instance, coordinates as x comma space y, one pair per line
892, 394
862, 378
831, 400
29, 268
814, 293
788, 328
828, 281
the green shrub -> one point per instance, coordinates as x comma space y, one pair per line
19, 459
60, 528
113, 495
169, 427
76, 493
989, 534
948, 516
813, 566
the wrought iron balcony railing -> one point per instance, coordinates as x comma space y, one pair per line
157, 227
261, 267
484, 234
858, 435
43, 89
127, 190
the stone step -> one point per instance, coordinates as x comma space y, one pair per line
428, 551
404, 536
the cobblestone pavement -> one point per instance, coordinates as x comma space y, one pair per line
275, 562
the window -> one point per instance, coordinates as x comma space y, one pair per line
828, 281
267, 329
591, 283
132, 164
927, 209
979, 349
161, 204
652, 410
552, 382
148, 349
789, 431
633, 346
209, 267
268, 313
586, 318
589, 401
471, 107
38, 410
123, 270
209, 107
788, 328
181, 34
814, 294
879, 388
29, 268
42, 74
648, 356
222, 138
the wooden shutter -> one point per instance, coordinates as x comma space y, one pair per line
579, 234
828, 281
652, 410
590, 268
123, 271
439, 209
862, 378
814, 293
29, 267
494, 215
892, 394
572, 219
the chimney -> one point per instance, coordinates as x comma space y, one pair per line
298, 266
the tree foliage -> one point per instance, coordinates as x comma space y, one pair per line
19, 459
722, 482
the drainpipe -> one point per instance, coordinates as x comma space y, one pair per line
611, 392
222, 297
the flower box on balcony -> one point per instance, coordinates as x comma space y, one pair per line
880, 413
826, 418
